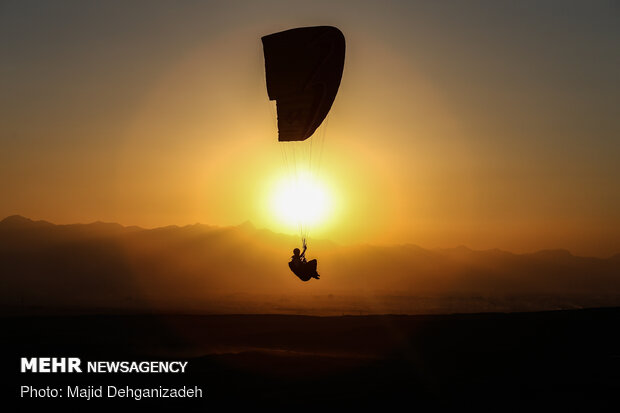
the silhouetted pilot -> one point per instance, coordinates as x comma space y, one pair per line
302, 269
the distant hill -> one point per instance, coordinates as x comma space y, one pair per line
200, 268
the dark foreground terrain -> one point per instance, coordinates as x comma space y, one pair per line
561, 360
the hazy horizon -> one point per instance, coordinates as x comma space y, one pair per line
294, 238
242, 269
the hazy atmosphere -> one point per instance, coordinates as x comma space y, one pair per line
410, 205
457, 123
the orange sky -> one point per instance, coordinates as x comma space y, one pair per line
484, 124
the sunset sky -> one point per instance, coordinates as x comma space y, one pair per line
482, 123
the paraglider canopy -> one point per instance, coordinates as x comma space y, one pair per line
303, 68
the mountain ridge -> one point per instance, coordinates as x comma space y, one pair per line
16, 221
241, 268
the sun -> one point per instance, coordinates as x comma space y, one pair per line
301, 200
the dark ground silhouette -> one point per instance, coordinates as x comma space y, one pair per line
562, 360
75, 290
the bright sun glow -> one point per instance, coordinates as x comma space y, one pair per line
301, 201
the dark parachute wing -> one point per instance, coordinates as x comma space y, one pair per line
303, 68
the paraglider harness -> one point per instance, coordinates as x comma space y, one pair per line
301, 268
